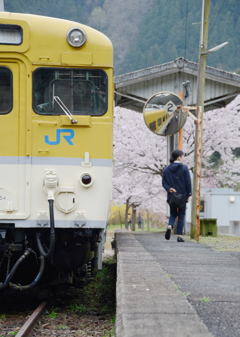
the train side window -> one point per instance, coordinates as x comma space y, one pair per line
152, 126
81, 91
6, 90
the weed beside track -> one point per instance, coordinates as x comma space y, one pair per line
86, 311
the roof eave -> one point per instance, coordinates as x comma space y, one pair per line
178, 65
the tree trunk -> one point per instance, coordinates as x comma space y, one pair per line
134, 216
148, 220
126, 213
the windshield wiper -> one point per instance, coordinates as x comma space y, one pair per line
67, 112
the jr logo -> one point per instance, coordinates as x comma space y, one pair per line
67, 134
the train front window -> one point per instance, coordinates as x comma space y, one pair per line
10, 34
82, 91
6, 89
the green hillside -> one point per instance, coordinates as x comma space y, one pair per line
146, 33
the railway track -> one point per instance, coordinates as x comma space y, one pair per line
56, 321
28, 326
71, 311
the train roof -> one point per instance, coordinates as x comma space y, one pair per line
45, 39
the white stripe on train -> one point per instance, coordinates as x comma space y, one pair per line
11, 160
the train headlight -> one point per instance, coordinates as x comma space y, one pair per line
76, 37
86, 180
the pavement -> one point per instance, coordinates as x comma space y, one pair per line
171, 289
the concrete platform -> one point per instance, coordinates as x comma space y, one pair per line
170, 289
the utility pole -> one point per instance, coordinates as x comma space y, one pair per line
203, 50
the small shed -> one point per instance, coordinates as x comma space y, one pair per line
222, 204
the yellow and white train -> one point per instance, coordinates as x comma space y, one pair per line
56, 111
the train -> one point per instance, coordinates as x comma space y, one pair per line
56, 115
155, 119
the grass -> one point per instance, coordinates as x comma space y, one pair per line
224, 243
98, 296
62, 327
205, 299
53, 314
78, 308
100, 293
110, 333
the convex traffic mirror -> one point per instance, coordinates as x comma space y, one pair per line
163, 113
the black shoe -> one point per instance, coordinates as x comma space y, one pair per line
179, 239
168, 233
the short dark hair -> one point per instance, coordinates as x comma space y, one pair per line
175, 154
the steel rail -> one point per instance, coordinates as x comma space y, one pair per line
28, 326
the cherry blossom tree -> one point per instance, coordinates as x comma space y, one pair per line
139, 159
224, 133
140, 156
221, 137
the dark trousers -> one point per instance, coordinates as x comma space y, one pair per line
177, 213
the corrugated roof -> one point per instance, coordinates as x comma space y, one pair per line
178, 65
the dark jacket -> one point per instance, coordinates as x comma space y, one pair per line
177, 175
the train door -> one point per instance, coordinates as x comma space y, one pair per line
14, 203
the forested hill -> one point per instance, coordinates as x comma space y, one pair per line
146, 33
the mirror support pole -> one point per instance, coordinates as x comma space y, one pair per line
180, 132
196, 197
180, 139
172, 144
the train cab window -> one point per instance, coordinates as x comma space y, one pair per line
80, 91
10, 34
6, 90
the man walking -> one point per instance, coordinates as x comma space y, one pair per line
177, 182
